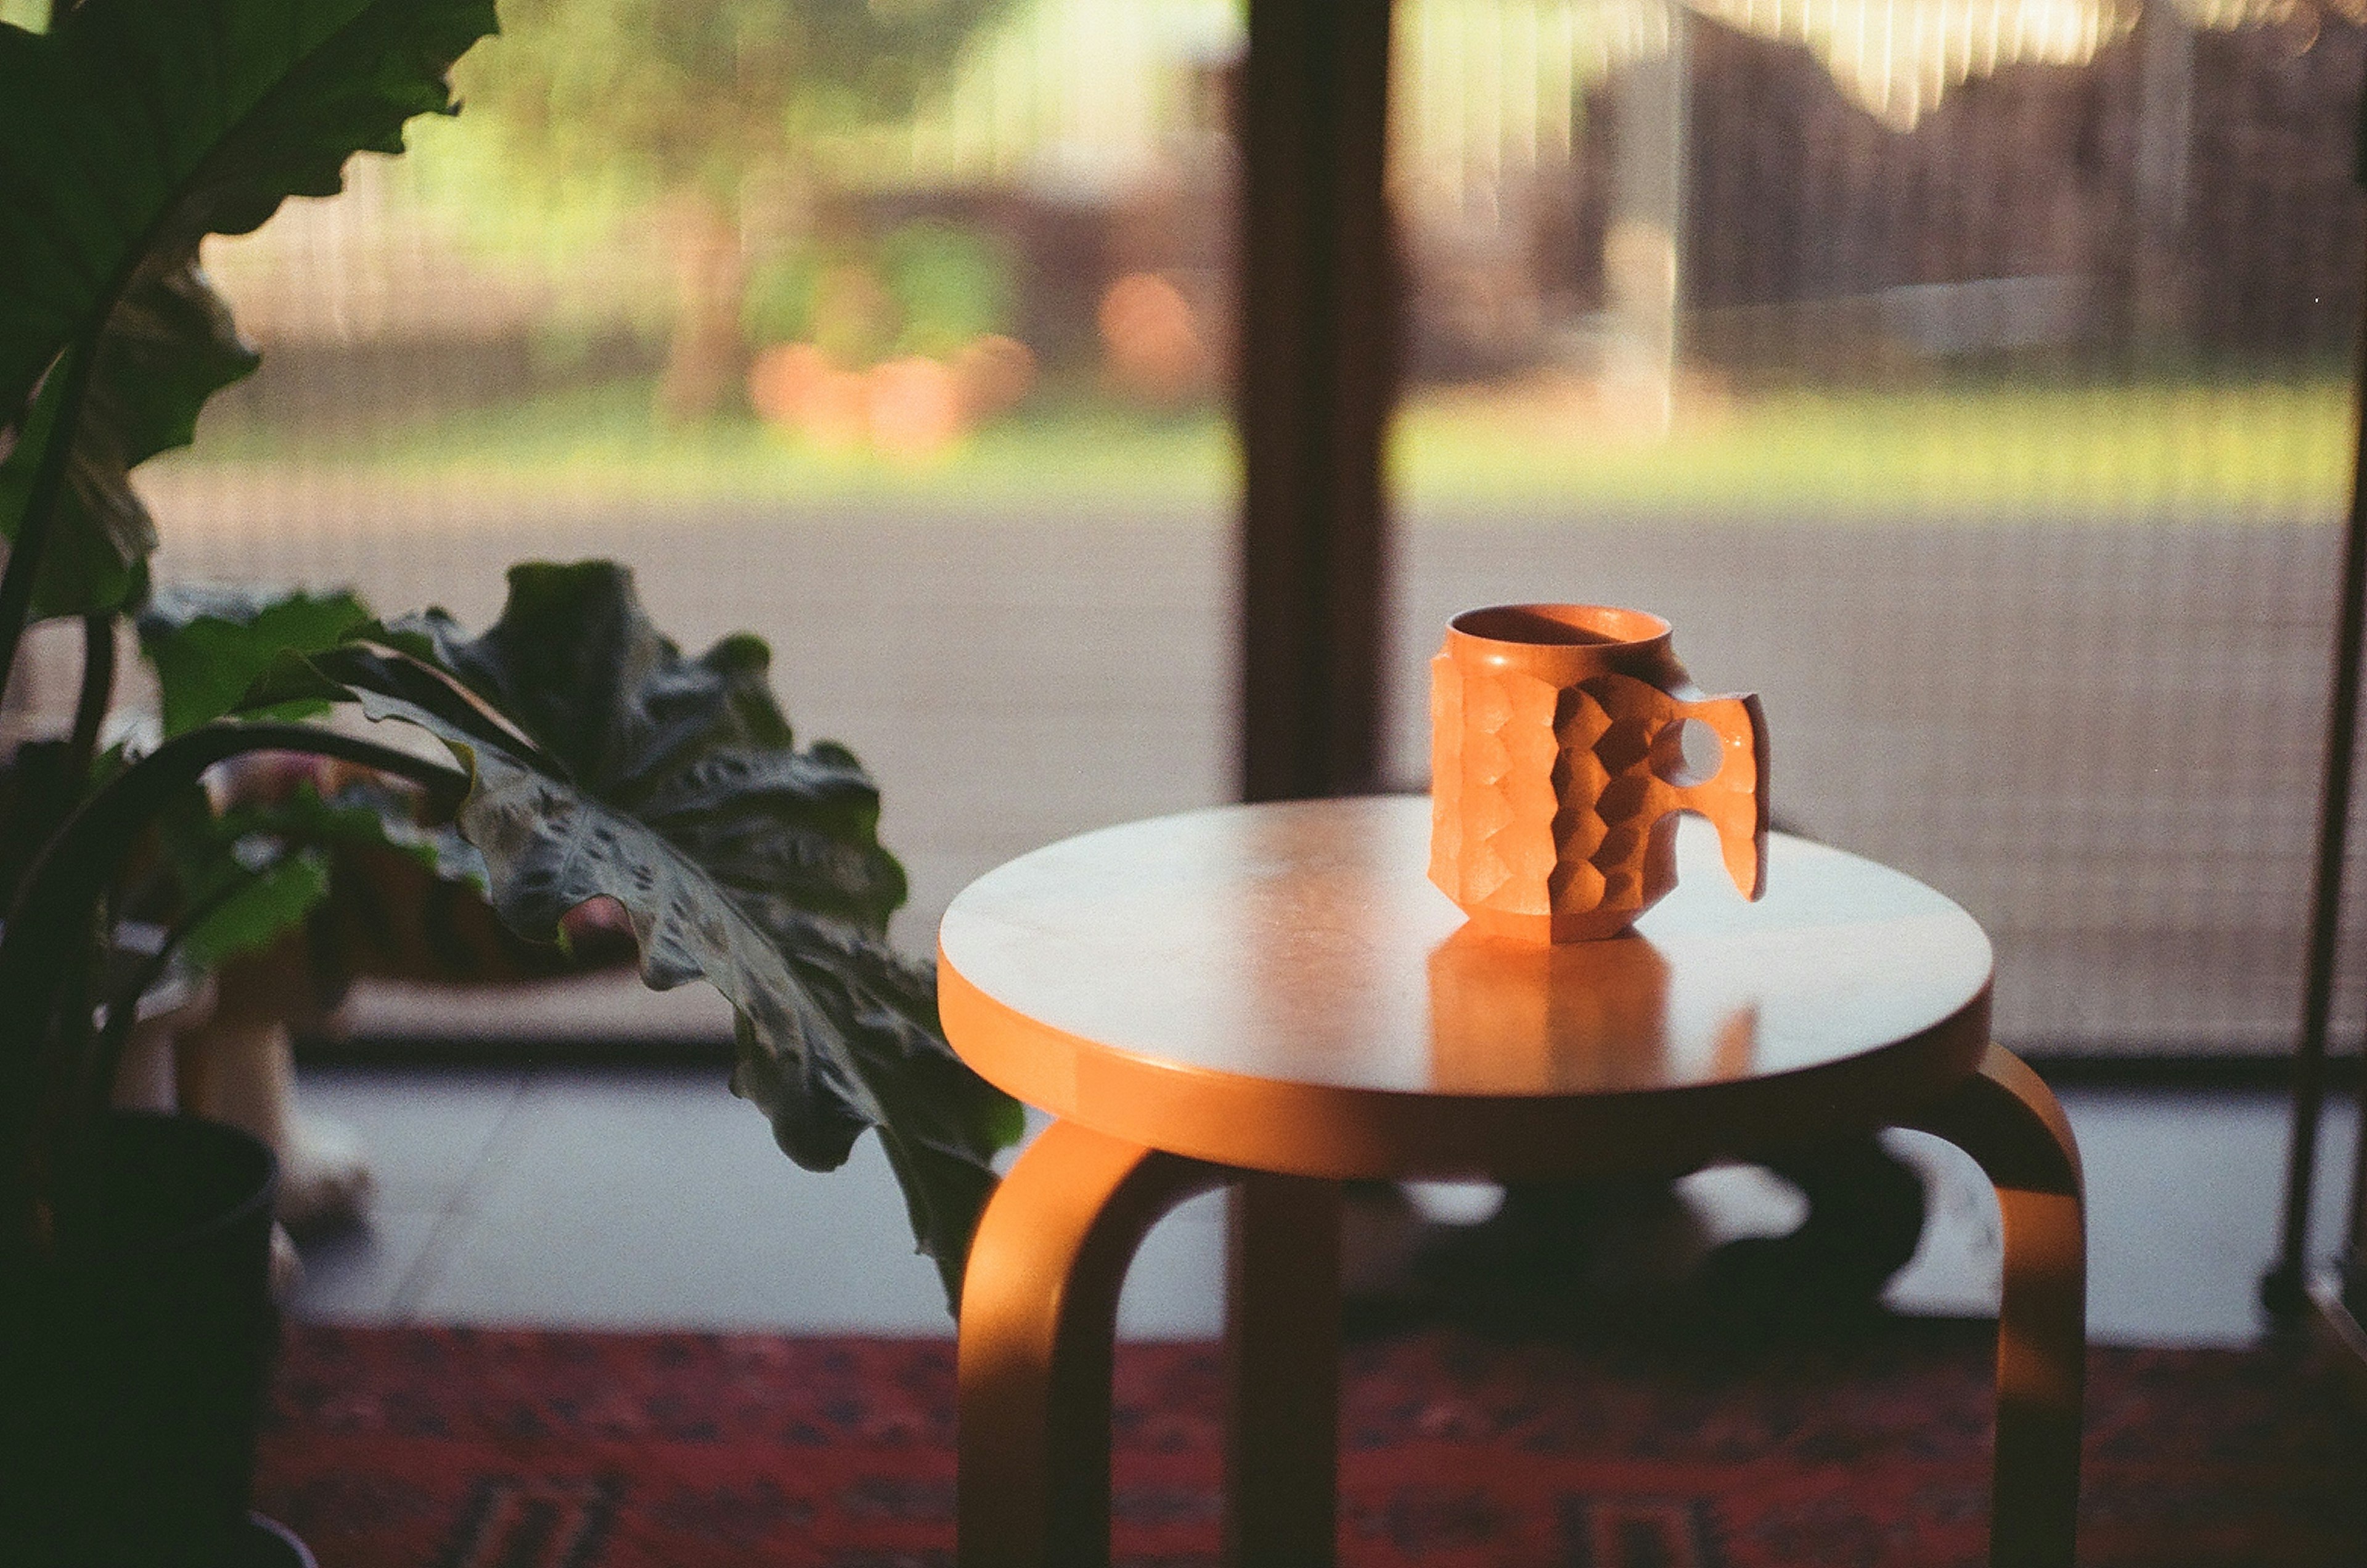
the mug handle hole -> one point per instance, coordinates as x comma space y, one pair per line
1687, 753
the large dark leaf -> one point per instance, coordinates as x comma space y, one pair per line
606, 764
168, 345
129, 131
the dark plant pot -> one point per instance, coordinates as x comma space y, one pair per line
133, 1368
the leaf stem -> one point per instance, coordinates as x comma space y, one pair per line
123, 1006
46, 946
97, 693
32, 541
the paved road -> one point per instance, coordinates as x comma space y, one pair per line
2101, 739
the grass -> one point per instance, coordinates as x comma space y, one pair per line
605, 440
2263, 447
2060, 451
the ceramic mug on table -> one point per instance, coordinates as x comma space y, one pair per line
1558, 769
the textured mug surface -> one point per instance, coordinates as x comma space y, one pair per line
1557, 768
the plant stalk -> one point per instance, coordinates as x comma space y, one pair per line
45, 949
32, 541
123, 1006
96, 695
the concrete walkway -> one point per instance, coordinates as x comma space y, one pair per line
2102, 738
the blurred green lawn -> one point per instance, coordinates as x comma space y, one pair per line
2278, 449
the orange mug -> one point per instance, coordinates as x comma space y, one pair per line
1557, 768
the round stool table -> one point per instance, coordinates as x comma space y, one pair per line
1275, 997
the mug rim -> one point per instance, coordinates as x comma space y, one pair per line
1604, 627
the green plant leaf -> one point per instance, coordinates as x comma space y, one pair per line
168, 346
606, 764
209, 643
129, 131
263, 863
283, 887
55, 1066
102, 532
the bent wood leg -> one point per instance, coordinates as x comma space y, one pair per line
1281, 1344
2006, 1118
1038, 1312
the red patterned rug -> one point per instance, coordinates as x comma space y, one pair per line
458, 1449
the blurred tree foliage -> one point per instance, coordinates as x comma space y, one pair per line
714, 103
925, 287
708, 92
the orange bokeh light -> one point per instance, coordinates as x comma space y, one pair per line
1151, 334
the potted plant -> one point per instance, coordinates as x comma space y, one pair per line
588, 758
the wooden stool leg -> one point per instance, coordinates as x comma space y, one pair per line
2005, 1118
1283, 1344
1039, 1310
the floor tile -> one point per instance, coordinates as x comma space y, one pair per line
638, 1197
425, 1133
1176, 1288
629, 1199
2185, 1191
359, 1275
2183, 1196
1956, 1267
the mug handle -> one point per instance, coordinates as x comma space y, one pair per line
1735, 797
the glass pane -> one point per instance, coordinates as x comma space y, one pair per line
893, 333
1969, 379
